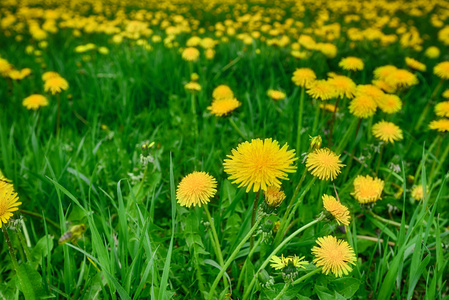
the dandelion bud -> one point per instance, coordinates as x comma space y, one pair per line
265, 279
194, 77
145, 156
273, 198
315, 142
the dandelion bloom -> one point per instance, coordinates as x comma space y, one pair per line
321, 89
8, 201
418, 192
193, 86
35, 101
338, 210
276, 95
384, 86
344, 86
50, 74
190, 54
259, 164
371, 91
335, 256
328, 106
387, 132
56, 85
401, 78
324, 164
390, 104
445, 94
442, 109
383, 71
363, 106
432, 52
303, 77
367, 189
274, 196
414, 64
442, 70
222, 107
195, 189
441, 125
289, 265
222, 92
351, 63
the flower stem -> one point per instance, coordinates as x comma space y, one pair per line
427, 107
10, 249
236, 128
317, 116
33, 214
231, 258
379, 159
298, 133
58, 115
282, 292
310, 274
193, 108
331, 130
239, 282
278, 248
385, 220
253, 216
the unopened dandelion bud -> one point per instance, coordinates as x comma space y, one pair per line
194, 77
265, 279
145, 156
315, 142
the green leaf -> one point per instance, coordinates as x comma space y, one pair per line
41, 250
324, 293
30, 282
347, 287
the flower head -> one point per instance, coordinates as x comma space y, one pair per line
193, 86
390, 104
344, 86
222, 92
363, 106
387, 132
442, 109
190, 54
367, 189
55, 85
432, 52
414, 64
324, 164
276, 95
445, 94
195, 189
35, 101
384, 71
441, 125
289, 265
321, 89
401, 78
338, 210
259, 164
418, 192
303, 77
8, 201
222, 107
274, 196
442, 70
50, 74
351, 63
335, 256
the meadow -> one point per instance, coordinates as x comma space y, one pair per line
224, 149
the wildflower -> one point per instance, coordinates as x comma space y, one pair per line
367, 189
324, 164
338, 210
351, 63
50, 74
209, 53
8, 201
321, 89
56, 85
329, 107
222, 92
190, 54
344, 86
414, 64
276, 95
387, 132
315, 142
390, 104
193, 86
402, 78
371, 91
335, 256
303, 77
442, 70
363, 106
289, 265
195, 189
223, 106
274, 196
441, 125
442, 109
35, 101
432, 52
384, 71
418, 192
259, 164
384, 86
445, 94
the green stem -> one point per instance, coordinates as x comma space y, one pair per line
282, 292
24, 245
298, 133
278, 248
428, 105
10, 249
58, 115
193, 108
317, 116
332, 123
308, 275
236, 128
33, 214
442, 161
253, 216
385, 220
239, 282
231, 258
379, 159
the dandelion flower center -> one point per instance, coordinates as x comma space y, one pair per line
387, 131
367, 189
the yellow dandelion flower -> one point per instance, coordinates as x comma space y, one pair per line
338, 210
367, 189
383, 71
50, 74
222, 107
55, 85
441, 125
279, 263
371, 91
432, 52
445, 94
8, 202
344, 86
35, 101
196, 189
401, 78
274, 196
418, 192
222, 92
193, 86
414, 64
335, 256
442, 109
351, 63
321, 89
303, 77
259, 164
190, 54
387, 132
276, 95
328, 106
194, 77
390, 104
324, 164
442, 70
363, 106
384, 86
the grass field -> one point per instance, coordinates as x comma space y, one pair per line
224, 149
